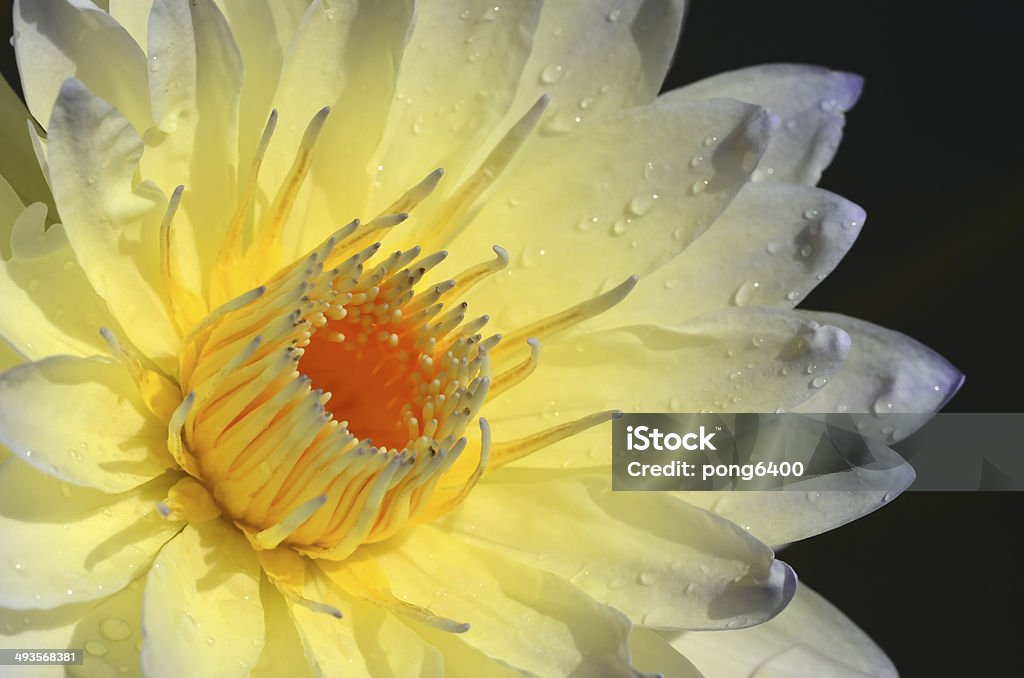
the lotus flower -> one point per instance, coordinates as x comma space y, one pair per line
254, 427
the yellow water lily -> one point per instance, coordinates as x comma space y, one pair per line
313, 314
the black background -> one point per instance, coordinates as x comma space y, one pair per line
933, 151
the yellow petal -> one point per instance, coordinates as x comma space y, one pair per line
282, 653
660, 561
11, 208
558, 630
810, 100
771, 247
112, 224
52, 307
457, 79
133, 15
653, 653
808, 640
65, 545
81, 420
202, 605
108, 631
59, 39
18, 163
195, 74
631, 173
887, 373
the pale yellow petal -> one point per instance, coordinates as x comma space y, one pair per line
809, 639
618, 198
344, 55
82, 421
202, 606
662, 562
771, 247
112, 224
52, 307
18, 161
732, 360
887, 373
195, 83
282, 652
462, 660
810, 100
457, 79
64, 545
11, 208
133, 15
109, 632
347, 632
653, 653
593, 58
59, 39
559, 629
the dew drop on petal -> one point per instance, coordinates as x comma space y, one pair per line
614, 15
810, 213
882, 406
114, 628
640, 205
95, 648
746, 293
819, 382
551, 74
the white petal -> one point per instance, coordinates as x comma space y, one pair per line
456, 81
810, 100
662, 562
617, 198
109, 631
18, 165
52, 307
59, 39
112, 224
559, 630
204, 585
81, 420
809, 639
771, 247
65, 545
887, 372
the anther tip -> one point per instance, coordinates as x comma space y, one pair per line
439, 171
617, 414
163, 508
533, 341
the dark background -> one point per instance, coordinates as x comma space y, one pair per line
934, 153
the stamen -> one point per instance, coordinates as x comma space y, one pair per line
471, 276
417, 194
186, 308
508, 452
553, 324
448, 220
517, 374
272, 536
158, 391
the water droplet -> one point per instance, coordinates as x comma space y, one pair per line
647, 578
185, 623
805, 251
417, 125
690, 589
810, 213
842, 408
698, 186
115, 629
887, 497
746, 293
614, 15
620, 226
210, 641
551, 74
757, 342
792, 125
464, 14
604, 89
65, 489
849, 223
818, 382
640, 205
710, 141
586, 103
772, 248
696, 160
585, 224
793, 295
762, 174
669, 284
95, 648
813, 496
490, 14
829, 105
882, 406
550, 410
473, 57
678, 234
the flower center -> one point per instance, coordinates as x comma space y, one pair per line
329, 406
